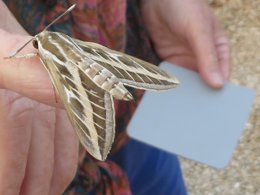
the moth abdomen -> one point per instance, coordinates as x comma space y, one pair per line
102, 76
120, 92
106, 80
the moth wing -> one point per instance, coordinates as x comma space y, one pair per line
90, 109
129, 70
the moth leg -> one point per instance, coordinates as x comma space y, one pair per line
26, 56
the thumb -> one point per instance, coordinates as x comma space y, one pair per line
203, 44
24, 76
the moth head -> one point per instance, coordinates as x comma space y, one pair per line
41, 38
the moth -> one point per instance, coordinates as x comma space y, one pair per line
87, 76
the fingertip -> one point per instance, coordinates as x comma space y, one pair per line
208, 64
216, 80
213, 78
211, 70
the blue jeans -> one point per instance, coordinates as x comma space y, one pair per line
150, 171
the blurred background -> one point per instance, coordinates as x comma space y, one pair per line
241, 19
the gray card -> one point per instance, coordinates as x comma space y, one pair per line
193, 120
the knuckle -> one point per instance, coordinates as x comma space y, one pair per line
20, 110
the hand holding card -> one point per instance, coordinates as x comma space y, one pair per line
193, 120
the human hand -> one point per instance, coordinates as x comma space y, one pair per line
38, 146
187, 33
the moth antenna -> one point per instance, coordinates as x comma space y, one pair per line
68, 10
56, 19
19, 49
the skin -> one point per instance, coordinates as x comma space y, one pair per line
38, 147
189, 35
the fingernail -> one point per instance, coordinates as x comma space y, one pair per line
217, 79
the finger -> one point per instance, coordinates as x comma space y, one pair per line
203, 44
66, 154
15, 135
41, 157
223, 53
223, 50
25, 76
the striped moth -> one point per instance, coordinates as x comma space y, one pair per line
87, 76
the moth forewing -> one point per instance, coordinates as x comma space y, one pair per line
87, 76
90, 109
129, 70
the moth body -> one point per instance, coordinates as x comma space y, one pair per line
70, 51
